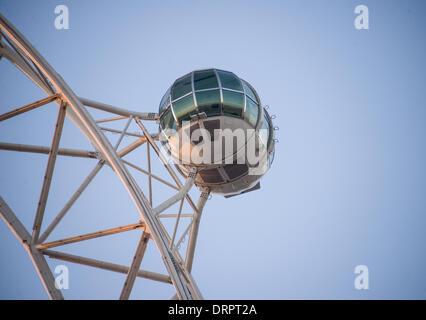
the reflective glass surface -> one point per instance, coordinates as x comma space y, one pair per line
252, 112
208, 97
184, 108
209, 102
249, 92
167, 121
165, 101
264, 134
205, 79
233, 103
181, 87
229, 80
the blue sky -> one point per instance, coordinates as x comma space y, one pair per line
347, 184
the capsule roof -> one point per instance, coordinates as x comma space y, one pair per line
213, 92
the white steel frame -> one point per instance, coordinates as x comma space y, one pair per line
15, 48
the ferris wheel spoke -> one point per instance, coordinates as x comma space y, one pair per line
164, 161
17, 56
78, 153
189, 259
123, 133
111, 119
118, 111
150, 174
176, 223
134, 267
148, 157
120, 132
91, 235
25, 57
49, 172
90, 262
28, 107
129, 148
71, 201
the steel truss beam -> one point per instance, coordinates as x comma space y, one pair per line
194, 229
52, 84
24, 66
46, 150
28, 107
164, 160
178, 196
119, 111
136, 263
118, 131
111, 119
150, 174
71, 201
91, 235
105, 265
36, 257
183, 215
49, 172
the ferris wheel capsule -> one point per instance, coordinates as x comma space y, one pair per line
214, 121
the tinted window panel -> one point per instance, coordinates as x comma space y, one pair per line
205, 80
167, 121
249, 92
184, 108
181, 87
165, 101
264, 133
252, 112
209, 102
229, 80
233, 103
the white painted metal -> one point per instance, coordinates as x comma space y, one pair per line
20, 63
37, 258
28, 107
120, 132
148, 157
194, 230
178, 196
46, 150
134, 267
28, 60
119, 111
91, 235
150, 175
176, 223
71, 201
165, 162
88, 126
49, 172
111, 119
105, 265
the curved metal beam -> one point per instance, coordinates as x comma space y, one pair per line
185, 288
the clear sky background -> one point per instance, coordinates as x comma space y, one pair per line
347, 186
